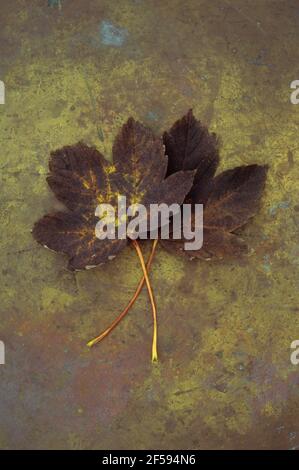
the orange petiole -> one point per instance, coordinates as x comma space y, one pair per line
150, 292
130, 304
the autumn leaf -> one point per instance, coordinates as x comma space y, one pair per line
229, 199
81, 178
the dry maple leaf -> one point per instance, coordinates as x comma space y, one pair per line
229, 199
81, 178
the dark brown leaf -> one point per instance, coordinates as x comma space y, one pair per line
81, 178
230, 199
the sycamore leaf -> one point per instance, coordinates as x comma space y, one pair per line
81, 178
229, 199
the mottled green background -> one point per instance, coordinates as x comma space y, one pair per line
76, 69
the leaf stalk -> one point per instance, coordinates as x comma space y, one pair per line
108, 330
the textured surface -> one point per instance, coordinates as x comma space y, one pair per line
77, 70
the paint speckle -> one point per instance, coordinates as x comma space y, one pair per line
278, 205
267, 265
55, 3
292, 435
261, 59
112, 35
152, 116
